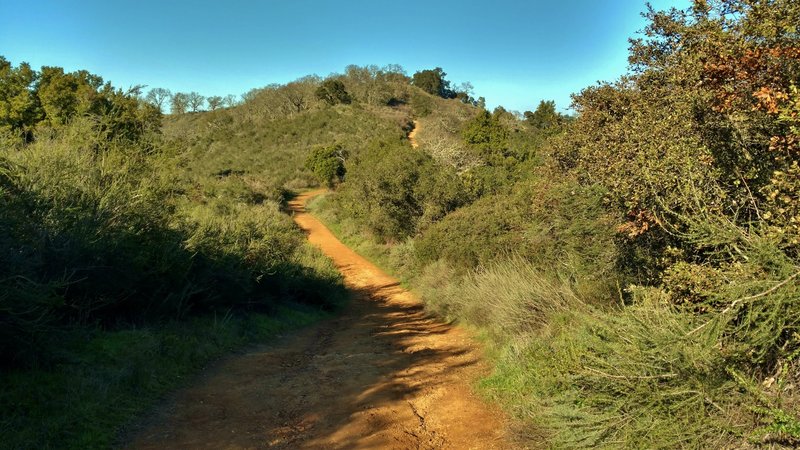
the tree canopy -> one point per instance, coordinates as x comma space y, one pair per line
433, 81
327, 164
333, 92
545, 117
53, 98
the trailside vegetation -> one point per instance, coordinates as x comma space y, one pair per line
122, 270
634, 266
136, 247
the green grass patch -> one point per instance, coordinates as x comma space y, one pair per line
102, 381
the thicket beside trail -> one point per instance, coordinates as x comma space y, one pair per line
634, 265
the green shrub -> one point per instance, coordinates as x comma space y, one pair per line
395, 191
95, 232
333, 92
559, 227
327, 163
641, 376
87, 230
487, 137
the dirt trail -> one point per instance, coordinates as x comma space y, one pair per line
382, 375
412, 135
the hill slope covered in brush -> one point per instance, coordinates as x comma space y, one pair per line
634, 266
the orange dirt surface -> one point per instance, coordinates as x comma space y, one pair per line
382, 375
412, 135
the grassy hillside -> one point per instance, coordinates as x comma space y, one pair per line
276, 150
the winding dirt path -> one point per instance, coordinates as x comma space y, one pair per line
382, 375
412, 135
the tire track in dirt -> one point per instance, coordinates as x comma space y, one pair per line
382, 375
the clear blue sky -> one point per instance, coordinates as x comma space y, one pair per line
515, 53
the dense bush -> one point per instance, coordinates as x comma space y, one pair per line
561, 228
702, 172
395, 190
333, 92
701, 132
96, 230
487, 137
85, 229
327, 163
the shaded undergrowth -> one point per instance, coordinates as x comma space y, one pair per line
102, 379
120, 277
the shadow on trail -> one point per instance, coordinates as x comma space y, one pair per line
383, 374
338, 385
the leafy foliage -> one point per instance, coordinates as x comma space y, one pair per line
333, 92
20, 109
487, 137
636, 266
545, 117
565, 231
52, 98
396, 191
433, 82
327, 163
